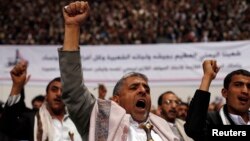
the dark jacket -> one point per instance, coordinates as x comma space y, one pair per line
199, 122
17, 121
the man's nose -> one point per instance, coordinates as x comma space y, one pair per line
174, 104
59, 92
245, 89
142, 90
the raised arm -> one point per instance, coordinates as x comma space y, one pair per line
74, 15
19, 77
195, 125
12, 121
77, 98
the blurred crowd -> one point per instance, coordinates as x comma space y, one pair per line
128, 21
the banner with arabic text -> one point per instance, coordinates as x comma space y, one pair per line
164, 64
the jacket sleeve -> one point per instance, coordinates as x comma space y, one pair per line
77, 98
195, 126
15, 120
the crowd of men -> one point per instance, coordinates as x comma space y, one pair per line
128, 22
70, 112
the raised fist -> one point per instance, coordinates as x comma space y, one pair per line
76, 12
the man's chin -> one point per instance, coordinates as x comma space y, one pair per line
58, 109
140, 118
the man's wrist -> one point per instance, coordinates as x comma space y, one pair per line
16, 90
71, 41
205, 83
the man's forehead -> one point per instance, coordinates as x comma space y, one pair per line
135, 79
183, 106
241, 78
170, 96
56, 84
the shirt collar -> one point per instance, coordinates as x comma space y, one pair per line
239, 120
171, 124
135, 123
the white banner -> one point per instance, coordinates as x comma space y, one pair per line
164, 64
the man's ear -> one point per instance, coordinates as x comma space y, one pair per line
46, 98
224, 92
159, 109
116, 99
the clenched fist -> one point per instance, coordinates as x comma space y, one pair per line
76, 13
210, 68
19, 76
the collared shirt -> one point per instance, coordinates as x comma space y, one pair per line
138, 134
238, 120
62, 129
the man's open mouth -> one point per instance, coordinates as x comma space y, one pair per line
243, 99
141, 104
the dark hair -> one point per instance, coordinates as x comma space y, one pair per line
1, 106
184, 103
119, 84
101, 87
38, 98
229, 76
161, 97
58, 79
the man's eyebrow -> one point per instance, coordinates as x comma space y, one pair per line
239, 81
54, 86
134, 84
147, 86
138, 83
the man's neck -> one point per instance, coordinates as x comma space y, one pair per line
58, 114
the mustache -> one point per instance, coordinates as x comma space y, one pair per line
173, 110
58, 98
